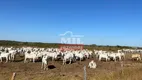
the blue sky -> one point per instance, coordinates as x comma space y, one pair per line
103, 22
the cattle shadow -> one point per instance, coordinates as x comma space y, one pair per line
51, 67
19, 60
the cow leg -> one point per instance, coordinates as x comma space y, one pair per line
25, 60
70, 61
41, 65
1, 59
6, 59
33, 60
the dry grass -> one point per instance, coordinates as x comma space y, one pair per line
132, 70
125, 74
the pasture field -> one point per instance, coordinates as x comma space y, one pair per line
131, 70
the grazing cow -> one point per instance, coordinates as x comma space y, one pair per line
68, 56
79, 55
136, 56
103, 55
52, 55
113, 56
31, 55
119, 56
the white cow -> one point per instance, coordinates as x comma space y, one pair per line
31, 55
92, 64
103, 55
5, 55
119, 55
136, 56
52, 55
68, 56
79, 55
44, 63
113, 56
13, 53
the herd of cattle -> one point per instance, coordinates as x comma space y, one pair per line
45, 54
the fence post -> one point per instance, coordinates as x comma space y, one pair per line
122, 65
13, 76
85, 77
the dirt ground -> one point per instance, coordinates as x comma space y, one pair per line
104, 71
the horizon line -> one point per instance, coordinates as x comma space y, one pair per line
61, 43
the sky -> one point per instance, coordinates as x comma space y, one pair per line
101, 22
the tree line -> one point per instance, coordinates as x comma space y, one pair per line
8, 43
